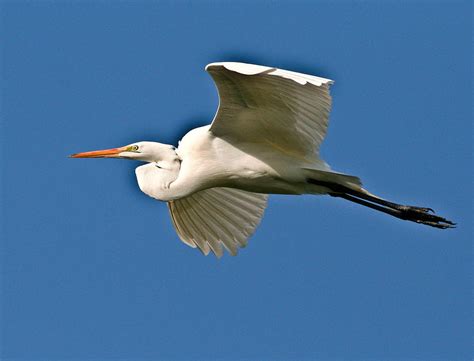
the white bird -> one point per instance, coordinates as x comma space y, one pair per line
264, 138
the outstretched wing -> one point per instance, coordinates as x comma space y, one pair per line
217, 216
286, 110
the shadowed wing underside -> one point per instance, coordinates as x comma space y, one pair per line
217, 216
287, 111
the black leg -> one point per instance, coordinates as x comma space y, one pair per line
405, 214
411, 213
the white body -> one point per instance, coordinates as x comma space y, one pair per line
209, 161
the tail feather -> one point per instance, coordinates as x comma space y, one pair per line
316, 175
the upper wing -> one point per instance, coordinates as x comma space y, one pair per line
216, 216
286, 110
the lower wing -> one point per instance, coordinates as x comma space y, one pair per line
217, 216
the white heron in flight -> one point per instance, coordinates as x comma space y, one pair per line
264, 139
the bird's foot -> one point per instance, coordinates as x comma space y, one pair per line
425, 216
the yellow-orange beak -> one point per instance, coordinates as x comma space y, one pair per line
106, 153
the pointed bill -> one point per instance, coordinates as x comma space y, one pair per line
106, 153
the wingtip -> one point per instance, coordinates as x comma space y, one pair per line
210, 65
241, 68
255, 69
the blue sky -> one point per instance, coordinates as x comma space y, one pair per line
92, 268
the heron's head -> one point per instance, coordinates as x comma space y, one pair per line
144, 151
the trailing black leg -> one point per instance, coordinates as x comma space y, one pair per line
410, 213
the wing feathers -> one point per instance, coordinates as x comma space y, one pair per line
198, 231
180, 226
217, 225
217, 217
228, 223
182, 221
284, 109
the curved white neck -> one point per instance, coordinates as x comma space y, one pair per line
154, 179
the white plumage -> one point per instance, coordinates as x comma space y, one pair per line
286, 110
217, 215
264, 138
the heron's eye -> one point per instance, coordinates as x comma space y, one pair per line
134, 148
